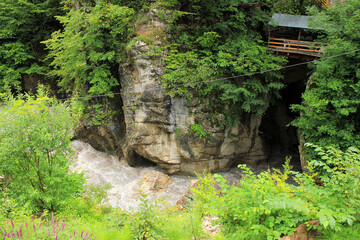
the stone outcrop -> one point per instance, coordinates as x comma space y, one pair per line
154, 181
108, 137
158, 126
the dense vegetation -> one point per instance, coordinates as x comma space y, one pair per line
23, 25
80, 51
330, 113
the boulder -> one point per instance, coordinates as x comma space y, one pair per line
154, 181
302, 232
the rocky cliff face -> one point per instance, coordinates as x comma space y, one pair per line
158, 128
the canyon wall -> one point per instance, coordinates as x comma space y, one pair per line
158, 127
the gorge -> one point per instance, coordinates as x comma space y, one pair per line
152, 127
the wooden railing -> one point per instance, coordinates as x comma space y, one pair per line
308, 48
324, 2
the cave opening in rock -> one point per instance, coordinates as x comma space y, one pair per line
140, 161
281, 139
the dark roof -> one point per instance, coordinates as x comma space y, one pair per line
293, 21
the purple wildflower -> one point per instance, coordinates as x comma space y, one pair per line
12, 223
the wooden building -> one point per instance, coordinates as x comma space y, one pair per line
291, 36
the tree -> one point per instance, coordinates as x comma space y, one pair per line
35, 154
223, 40
23, 25
330, 114
87, 52
85, 56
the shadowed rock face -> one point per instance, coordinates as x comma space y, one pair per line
109, 137
158, 127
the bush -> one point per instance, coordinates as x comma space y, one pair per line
35, 155
265, 206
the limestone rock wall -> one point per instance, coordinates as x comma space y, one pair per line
158, 127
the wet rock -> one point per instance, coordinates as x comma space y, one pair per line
302, 233
154, 181
108, 137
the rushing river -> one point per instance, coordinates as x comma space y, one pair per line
125, 181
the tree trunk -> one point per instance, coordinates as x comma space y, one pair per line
302, 150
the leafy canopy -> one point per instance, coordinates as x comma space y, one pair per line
23, 25
217, 40
86, 53
330, 114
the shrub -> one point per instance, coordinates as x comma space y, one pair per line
35, 154
265, 206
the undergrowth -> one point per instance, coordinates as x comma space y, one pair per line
263, 206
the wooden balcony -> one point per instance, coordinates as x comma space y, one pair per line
296, 48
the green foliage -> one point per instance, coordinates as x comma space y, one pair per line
155, 221
85, 52
37, 229
220, 40
198, 130
23, 25
265, 206
340, 171
346, 233
143, 223
293, 6
85, 56
35, 154
330, 112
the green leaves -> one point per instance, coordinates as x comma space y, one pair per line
23, 24
266, 206
200, 72
216, 55
331, 103
35, 154
91, 43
